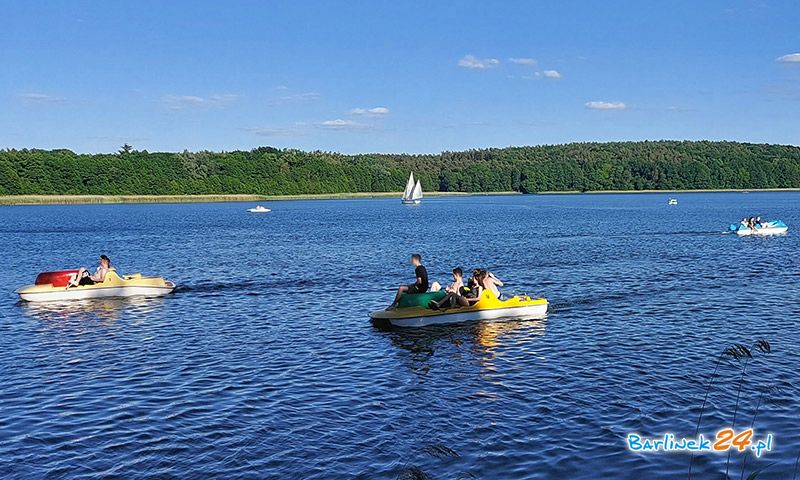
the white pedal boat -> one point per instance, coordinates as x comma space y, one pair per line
52, 286
259, 209
413, 311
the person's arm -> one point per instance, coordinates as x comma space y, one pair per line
496, 280
477, 297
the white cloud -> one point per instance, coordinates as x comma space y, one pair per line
274, 131
180, 102
678, 109
340, 124
299, 97
118, 138
470, 61
790, 58
38, 98
523, 61
370, 112
548, 74
605, 105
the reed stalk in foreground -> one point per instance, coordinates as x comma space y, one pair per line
737, 352
764, 347
727, 352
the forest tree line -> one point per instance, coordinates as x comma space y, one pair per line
659, 165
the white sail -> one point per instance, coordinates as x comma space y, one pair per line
417, 194
409, 187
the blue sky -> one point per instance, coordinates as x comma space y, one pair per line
391, 76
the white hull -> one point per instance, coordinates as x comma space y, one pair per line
531, 312
412, 202
762, 231
253, 210
76, 293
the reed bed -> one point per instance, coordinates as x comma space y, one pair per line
102, 199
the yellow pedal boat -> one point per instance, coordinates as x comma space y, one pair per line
412, 310
51, 286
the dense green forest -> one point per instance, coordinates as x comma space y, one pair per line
660, 165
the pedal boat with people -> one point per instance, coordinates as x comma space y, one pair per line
413, 310
52, 286
773, 227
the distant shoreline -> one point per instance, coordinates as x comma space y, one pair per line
9, 200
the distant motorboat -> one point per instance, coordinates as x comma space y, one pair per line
673, 201
412, 195
259, 209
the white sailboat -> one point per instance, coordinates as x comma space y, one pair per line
412, 195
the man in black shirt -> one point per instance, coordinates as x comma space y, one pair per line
420, 286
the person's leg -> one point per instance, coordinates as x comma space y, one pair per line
400, 291
462, 301
446, 301
75, 281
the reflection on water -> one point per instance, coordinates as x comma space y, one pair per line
489, 334
478, 338
106, 310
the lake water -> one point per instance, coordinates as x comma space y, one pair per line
264, 363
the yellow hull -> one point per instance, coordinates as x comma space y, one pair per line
112, 286
489, 307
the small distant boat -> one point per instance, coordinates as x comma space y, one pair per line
413, 310
412, 195
259, 209
52, 286
673, 201
773, 227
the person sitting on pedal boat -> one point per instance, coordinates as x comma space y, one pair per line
473, 287
454, 297
419, 286
458, 281
84, 278
490, 282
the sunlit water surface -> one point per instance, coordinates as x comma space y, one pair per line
264, 363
